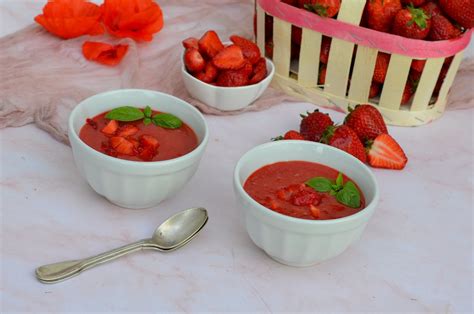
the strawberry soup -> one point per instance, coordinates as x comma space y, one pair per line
138, 134
305, 190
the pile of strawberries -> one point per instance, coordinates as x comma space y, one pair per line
363, 134
122, 140
418, 19
238, 64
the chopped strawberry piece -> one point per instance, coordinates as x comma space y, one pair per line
232, 78
230, 58
135, 143
92, 123
210, 44
305, 197
209, 74
270, 203
108, 150
191, 42
110, 128
385, 152
149, 141
193, 60
259, 71
127, 130
122, 145
315, 211
147, 153
249, 48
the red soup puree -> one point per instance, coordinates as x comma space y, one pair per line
137, 140
287, 188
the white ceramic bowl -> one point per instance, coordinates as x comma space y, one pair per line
300, 242
134, 184
226, 98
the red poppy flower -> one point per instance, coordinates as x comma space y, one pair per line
71, 18
137, 19
104, 53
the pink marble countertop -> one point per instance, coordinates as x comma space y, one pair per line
415, 255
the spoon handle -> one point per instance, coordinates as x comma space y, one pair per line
53, 273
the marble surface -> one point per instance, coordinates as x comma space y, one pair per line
415, 255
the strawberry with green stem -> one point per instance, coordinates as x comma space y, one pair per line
344, 138
411, 22
313, 125
324, 8
366, 121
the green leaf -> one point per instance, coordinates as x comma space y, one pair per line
146, 121
147, 112
349, 195
167, 120
339, 180
125, 113
320, 184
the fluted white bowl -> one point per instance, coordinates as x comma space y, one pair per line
226, 98
134, 184
301, 242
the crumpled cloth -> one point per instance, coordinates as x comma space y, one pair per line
44, 77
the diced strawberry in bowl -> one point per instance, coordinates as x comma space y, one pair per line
227, 76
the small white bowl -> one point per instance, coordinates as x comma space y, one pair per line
226, 98
300, 242
134, 184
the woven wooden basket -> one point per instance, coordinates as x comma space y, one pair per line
348, 79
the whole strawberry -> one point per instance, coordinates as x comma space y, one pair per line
462, 11
324, 8
314, 124
412, 23
290, 135
381, 67
380, 13
366, 121
431, 8
344, 138
385, 152
442, 29
415, 3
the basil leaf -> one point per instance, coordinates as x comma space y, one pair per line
320, 184
349, 195
126, 113
146, 121
339, 180
147, 112
167, 120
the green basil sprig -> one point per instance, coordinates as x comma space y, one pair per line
346, 194
128, 113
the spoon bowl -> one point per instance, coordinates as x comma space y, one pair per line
179, 229
172, 234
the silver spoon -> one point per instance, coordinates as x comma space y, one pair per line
175, 232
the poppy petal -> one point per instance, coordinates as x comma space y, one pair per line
104, 53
